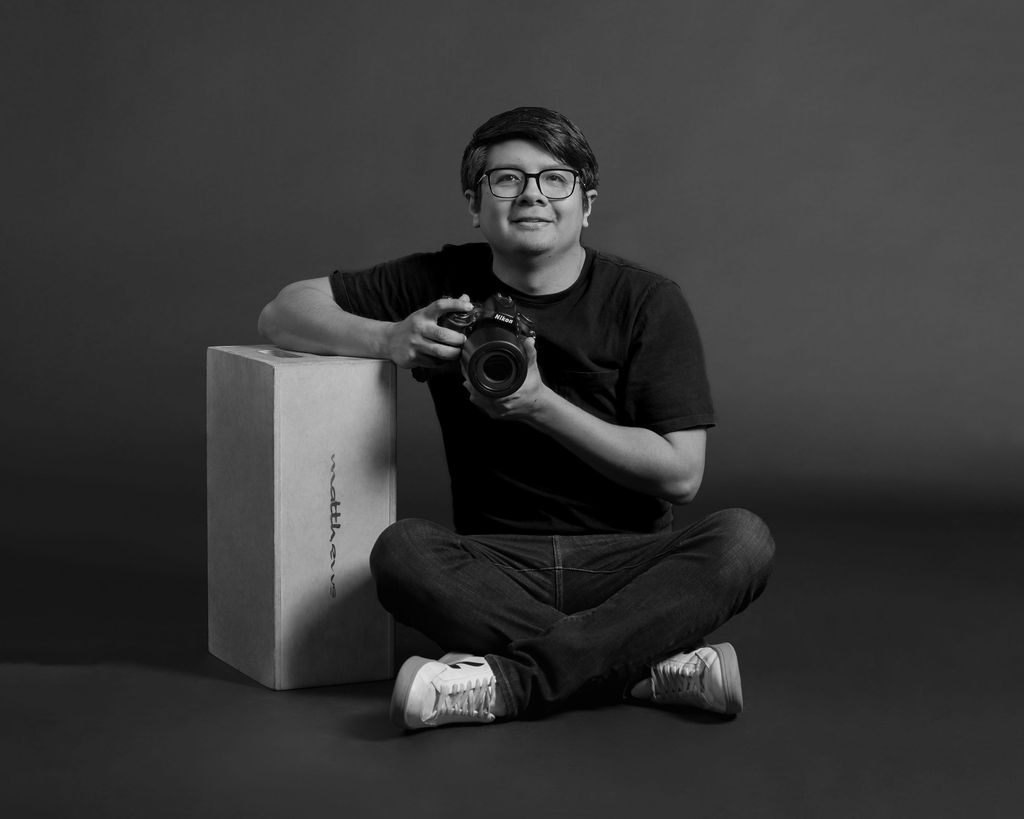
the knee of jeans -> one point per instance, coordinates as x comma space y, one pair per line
395, 547
751, 545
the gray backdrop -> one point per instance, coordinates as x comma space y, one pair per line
837, 188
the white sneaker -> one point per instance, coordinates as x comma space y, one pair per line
429, 693
454, 657
708, 678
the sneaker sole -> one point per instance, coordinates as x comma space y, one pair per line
730, 677
399, 711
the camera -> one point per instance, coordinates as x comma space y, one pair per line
494, 354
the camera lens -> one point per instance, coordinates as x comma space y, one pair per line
498, 368
494, 360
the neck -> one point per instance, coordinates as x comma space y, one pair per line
541, 275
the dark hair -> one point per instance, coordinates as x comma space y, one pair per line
548, 129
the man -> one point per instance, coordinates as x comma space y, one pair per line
563, 579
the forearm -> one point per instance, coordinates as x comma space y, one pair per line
300, 318
635, 457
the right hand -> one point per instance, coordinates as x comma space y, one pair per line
418, 340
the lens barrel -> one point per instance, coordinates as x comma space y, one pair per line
494, 360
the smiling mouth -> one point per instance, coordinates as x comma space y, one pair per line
532, 221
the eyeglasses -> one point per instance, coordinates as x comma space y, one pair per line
508, 183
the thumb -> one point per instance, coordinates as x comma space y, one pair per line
531, 350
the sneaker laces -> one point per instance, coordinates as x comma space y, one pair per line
468, 698
679, 680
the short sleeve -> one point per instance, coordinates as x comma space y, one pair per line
389, 291
666, 380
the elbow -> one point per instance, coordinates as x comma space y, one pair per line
682, 491
265, 325
680, 498
684, 471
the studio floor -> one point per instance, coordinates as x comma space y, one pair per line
881, 674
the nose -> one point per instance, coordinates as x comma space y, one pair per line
534, 194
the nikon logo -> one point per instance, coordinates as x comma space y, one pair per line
506, 319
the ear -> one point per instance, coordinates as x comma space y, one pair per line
474, 206
588, 206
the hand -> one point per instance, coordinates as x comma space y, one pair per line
522, 405
418, 340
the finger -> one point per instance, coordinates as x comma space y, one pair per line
474, 396
531, 350
447, 305
443, 335
442, 352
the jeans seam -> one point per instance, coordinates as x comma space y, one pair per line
556, 555
560, 567
653, 559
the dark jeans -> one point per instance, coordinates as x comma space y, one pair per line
566, 617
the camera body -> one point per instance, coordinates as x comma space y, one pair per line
494, 354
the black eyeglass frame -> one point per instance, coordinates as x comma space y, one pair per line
526, 181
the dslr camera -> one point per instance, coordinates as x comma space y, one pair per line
494, 354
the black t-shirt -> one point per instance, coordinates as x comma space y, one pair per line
621, 343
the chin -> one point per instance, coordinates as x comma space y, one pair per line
531, 245
533, 250
525, 246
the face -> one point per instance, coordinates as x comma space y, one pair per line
530, 224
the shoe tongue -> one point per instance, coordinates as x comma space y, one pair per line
694, 668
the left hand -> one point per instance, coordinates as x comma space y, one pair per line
524, 403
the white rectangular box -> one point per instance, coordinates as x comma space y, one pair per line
300, 482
